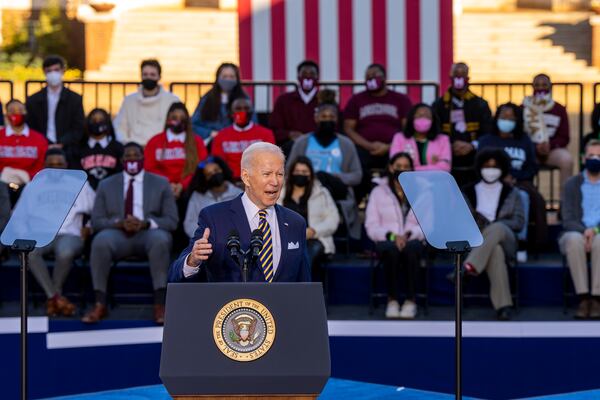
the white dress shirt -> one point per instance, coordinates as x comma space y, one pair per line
104, 142
175, 137
10, 131
252, 210
83, 205
53, 98
488, 198
138, 195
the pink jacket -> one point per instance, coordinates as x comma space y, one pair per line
385, 215
440, 147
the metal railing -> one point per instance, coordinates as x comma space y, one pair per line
264, 94
107, 95
6, 90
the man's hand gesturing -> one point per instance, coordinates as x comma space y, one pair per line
201, 251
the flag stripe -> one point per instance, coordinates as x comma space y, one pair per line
379, 39
329, 39
261, 51
430, 41
361, 36
396, 39
446, 33
245, 38
311, 24
346, 47
413, 41
294, 37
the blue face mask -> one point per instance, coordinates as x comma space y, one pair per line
592, 165
506, 125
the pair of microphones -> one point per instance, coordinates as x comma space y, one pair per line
234, 245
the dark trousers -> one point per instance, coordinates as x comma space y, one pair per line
368, 163
394, 259
316, 252
536, 237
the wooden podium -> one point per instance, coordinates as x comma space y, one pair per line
245, 341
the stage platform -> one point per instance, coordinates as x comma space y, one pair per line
334, 390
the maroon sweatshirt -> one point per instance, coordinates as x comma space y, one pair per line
292, 114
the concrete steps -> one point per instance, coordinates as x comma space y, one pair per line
516, 46
189, 43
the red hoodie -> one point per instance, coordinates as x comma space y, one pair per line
25, 151
231, 142
167, 158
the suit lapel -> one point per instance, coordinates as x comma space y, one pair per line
147, 193
240, 221
120, 194
283, 238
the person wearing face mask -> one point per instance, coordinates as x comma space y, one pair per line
371, 118
231, 141
99, 153
133, 215
213, 111
142, 114
421, 138
465, 118
22, 149
547, 124
508, 135
292, 115
580, 210
212, 183
399, 241
305, 195
176, 151
334, 159
498, 210
56, 111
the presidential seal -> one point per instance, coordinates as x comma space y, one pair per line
244, 330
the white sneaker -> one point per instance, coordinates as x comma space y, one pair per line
522, 256
409, 310
392, 310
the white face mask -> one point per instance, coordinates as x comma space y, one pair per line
491, 175
54, 78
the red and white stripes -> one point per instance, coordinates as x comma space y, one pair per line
412, 38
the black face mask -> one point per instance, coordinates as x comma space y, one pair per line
300, 180
149, 84
216, 180
325, 133
396, 174
177, 127
97, 128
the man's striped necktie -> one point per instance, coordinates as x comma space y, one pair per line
266, 252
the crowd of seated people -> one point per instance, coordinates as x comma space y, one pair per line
154, 167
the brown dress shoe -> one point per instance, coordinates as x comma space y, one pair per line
65, 307
96, 314
583, 310
159, 314
51, 307
595, 309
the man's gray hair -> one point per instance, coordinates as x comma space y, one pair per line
255, 149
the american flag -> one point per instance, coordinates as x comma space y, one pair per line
412, 38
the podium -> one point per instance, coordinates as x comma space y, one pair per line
245, 340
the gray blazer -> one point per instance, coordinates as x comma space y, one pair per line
351, 173
570, 204
159, 202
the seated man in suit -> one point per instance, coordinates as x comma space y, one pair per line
283, 253
133, 215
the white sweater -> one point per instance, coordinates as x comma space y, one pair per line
141, 117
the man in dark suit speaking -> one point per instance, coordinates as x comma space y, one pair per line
282, 256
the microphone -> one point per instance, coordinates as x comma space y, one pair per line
256, 242
233, 245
